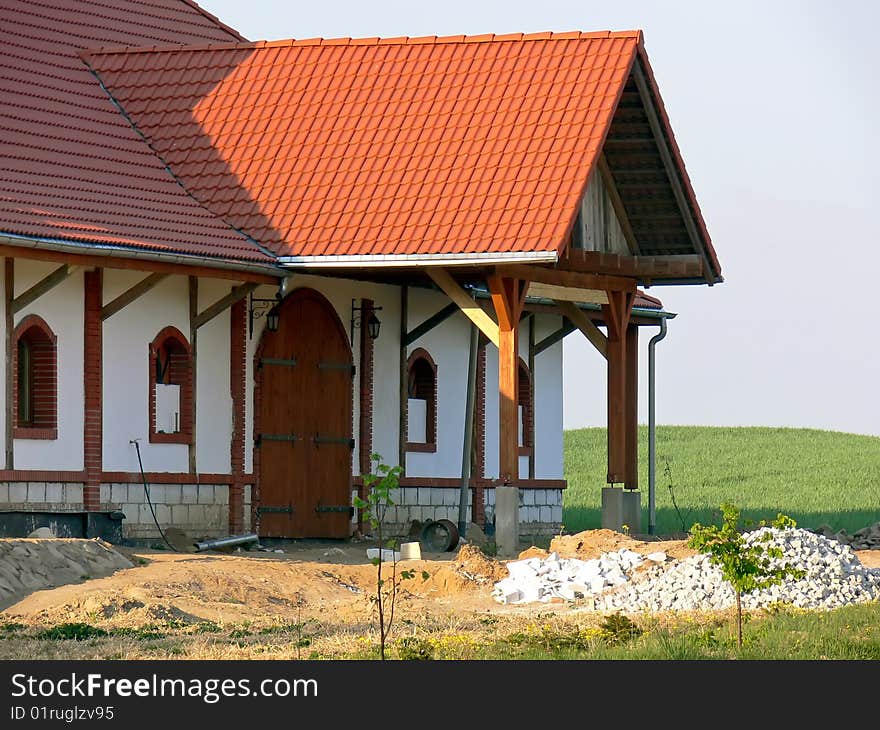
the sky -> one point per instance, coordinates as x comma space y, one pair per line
774, 107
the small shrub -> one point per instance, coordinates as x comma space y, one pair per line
411, 648
71, 631
619, 629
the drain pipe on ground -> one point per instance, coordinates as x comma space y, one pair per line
652, 516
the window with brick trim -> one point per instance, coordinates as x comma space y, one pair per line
35, 390
422, 405
525, 401
170, 388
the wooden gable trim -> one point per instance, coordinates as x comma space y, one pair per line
672, 172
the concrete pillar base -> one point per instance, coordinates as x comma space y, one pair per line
632, 510
507, 521
612, 508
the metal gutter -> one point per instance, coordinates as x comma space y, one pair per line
652, 516
650, 312
110, 251
406, 259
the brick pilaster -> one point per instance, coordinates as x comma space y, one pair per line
93, 442
237, 387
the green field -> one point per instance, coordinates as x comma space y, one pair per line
816, 477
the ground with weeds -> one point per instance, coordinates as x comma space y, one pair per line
314, 600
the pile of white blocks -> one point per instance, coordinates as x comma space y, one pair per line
543, 579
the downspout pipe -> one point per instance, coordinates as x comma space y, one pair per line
652, 509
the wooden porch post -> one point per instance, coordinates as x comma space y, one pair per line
508, 297
631, 472
617, 313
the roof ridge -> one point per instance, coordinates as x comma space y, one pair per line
368, 41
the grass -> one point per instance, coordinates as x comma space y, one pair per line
781, 633
816, 477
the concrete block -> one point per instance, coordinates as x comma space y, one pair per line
424, 495
36, 492
188, 494
144, 515
528, 497
118, 493
221, 494
135, 493
131, 512
18, 493
507, 521
393, 494
205, 494
631, 514
172, 494
4, 493
163, 514
612, 508
540, 497
451, 497
437, 496
247, 493
556, 514
104, 493
546, 515
54, 493
73, 494
180, 515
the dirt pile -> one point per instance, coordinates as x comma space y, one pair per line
33, 564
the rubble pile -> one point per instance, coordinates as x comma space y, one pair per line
832, 577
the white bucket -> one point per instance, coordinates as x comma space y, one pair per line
410, 551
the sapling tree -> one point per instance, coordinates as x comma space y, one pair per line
746, 565
378, 486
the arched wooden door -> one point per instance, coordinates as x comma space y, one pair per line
305, 428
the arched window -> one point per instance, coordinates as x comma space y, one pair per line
525, 401
170, 388
35, 390
422, 405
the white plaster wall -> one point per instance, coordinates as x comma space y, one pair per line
448, 345
127, 336
213, 396
62, 308
549, 403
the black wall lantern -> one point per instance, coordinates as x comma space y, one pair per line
270, 308
373, 323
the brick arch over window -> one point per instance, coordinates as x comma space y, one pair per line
526, 402
422, 385
35, 380
170, 364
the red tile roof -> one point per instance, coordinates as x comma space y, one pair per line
382, 146
71, 166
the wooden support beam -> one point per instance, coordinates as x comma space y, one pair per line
631, 409
617, 204
569, 294
617, 313
222, 304
121, 262
643, 268
9, 296
551, 339
585, 325
430, 323
562, 278
193, 343
471, 309
131, 294
47, 283
684, 203
508, 297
